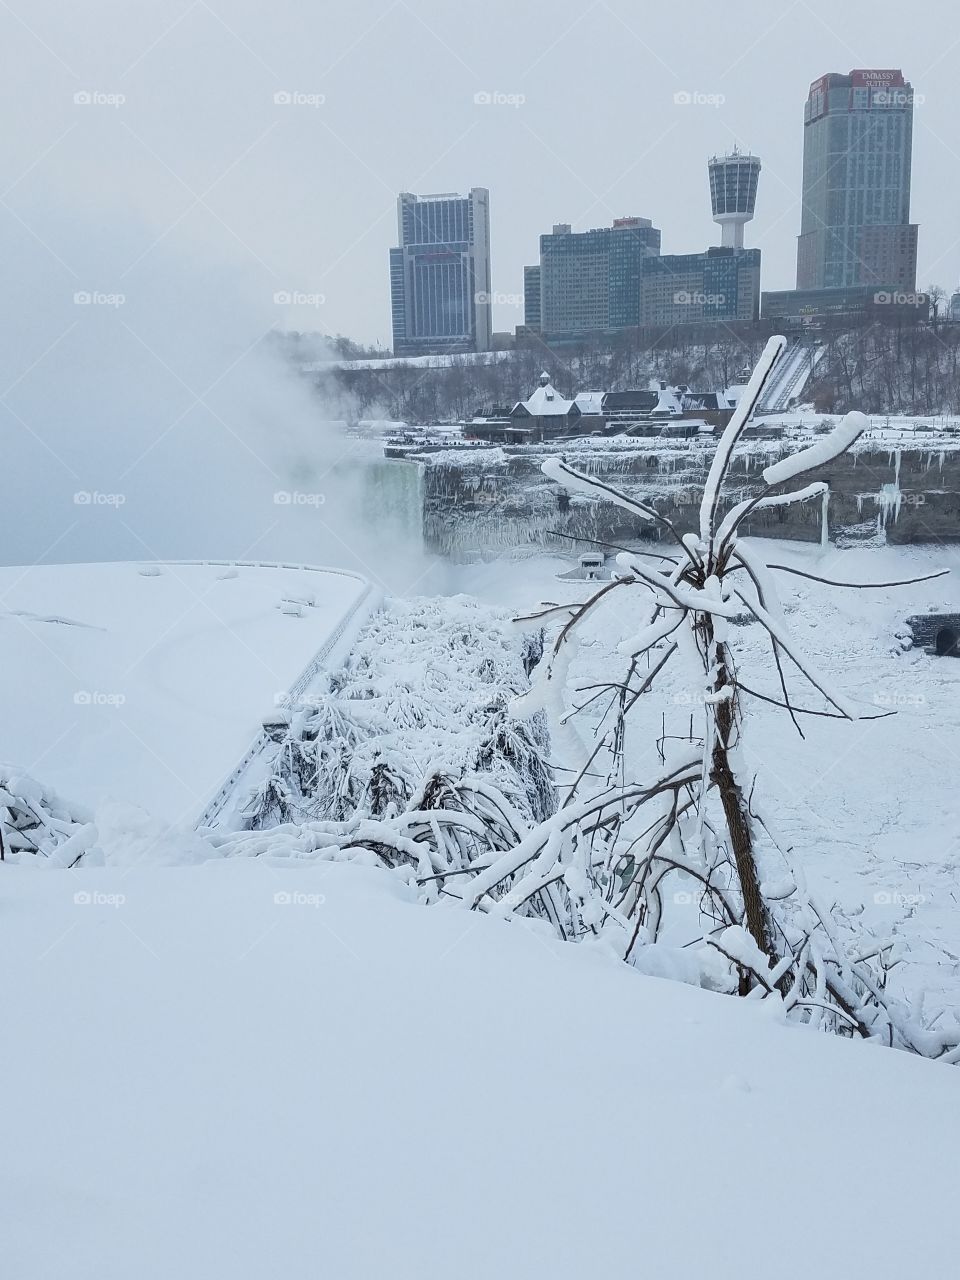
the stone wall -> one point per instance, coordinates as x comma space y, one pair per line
488, 503
925, 628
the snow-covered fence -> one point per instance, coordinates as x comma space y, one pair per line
359, 611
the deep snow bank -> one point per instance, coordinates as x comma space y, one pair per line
145, 684
246, 1069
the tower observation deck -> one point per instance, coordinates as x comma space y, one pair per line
733, 194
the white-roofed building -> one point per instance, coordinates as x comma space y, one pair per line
590, 403
546, 412
669, 402
546, 401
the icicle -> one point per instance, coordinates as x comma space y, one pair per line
824, 525
889, 500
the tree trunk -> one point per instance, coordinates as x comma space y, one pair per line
738, 823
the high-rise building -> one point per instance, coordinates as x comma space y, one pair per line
857, 143
590, 280
733, 194
531, 298
719, 286
440, 288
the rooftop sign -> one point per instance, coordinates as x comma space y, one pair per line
877, 79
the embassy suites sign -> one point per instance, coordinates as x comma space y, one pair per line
877, 79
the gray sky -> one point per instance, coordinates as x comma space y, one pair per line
199, 160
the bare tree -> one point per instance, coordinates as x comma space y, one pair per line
601, 864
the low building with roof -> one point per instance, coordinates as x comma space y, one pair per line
546, 414
543, 415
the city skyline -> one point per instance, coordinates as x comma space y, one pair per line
286, 173
856, 247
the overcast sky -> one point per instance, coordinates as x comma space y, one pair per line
300, 196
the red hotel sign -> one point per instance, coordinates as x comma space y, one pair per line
877, 79
865, 79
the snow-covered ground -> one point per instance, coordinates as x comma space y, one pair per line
258, 1068
886, 431
409, 362
870, 809
146, 684
262, 1065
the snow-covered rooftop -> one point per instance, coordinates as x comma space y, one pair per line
668, 402
589, 402
547, 401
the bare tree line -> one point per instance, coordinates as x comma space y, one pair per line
911, 369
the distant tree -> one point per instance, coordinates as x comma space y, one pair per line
937, 297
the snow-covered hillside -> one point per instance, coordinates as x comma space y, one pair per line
259, 1068
147, 683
